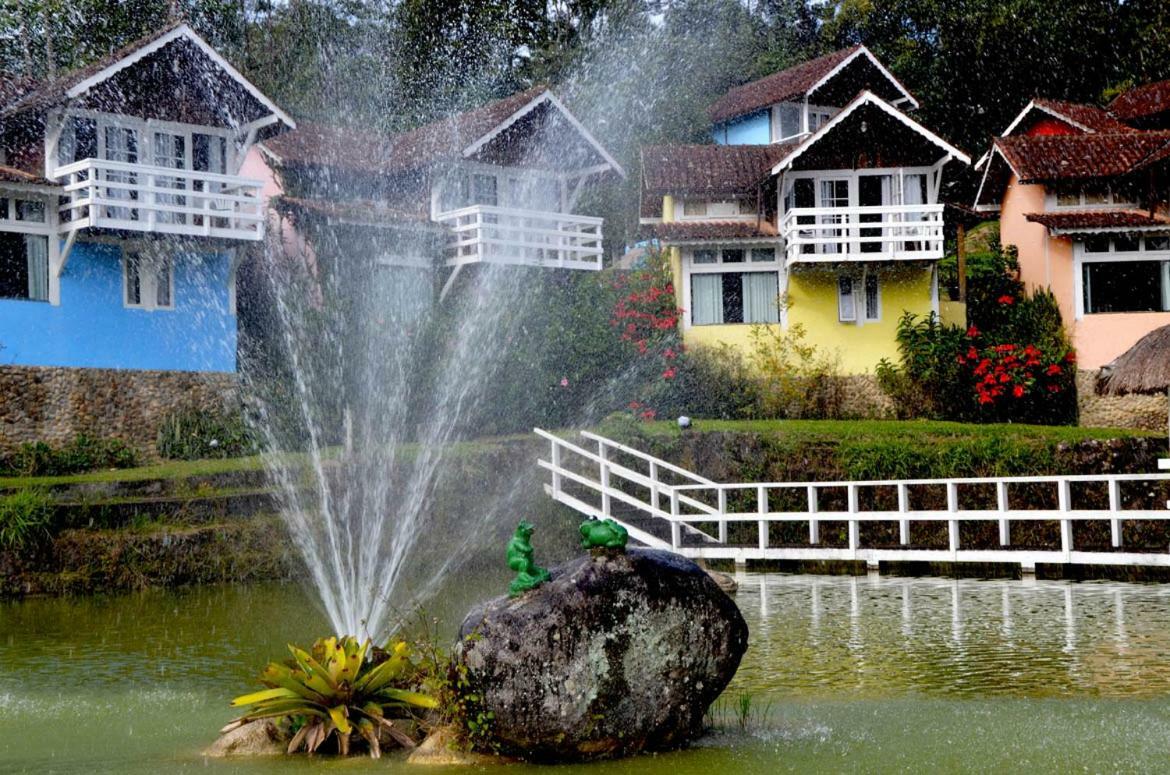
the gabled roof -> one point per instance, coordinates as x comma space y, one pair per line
1073, 157
795, 83
78, 82
708, 169
1097, 221
1140, 101
1087, 118
458, 136
862, 100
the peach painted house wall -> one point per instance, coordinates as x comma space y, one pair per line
1047, 262
292, 242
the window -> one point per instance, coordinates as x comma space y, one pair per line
734, 297
483, 190
747, 207
1092, 196
788, 120
30, 211
818, 118
694, 208
208, 153
733, 255
79, 140
1126, 286
763, 255
148, 281
847, 301
873, 299
24, 266
706, 257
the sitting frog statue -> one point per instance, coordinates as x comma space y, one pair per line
528, 573
603, 534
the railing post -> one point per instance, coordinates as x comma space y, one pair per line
1001, 499
606, 505
953, 525
1064, 503
151, 200
721, 495
556, 463
854, 527
655, 500
1114, 511
762, 510
814, 526
903, 507
675, 528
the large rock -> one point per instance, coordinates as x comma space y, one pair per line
618, 653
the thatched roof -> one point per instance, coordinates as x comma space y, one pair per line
1143, 368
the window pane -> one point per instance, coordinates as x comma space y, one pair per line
37, 249
760, 297
789, 114
208, 153
763, 255
733, 255
747, 207
694, 207
133, 281
872, 299
732, 297
28, 210
1123, 286
1068, 198
705, 257
1098, 244
1096, 196
14, 280
1126, 243
1157, 243
846, 306
162, 282
483, 189
706, 299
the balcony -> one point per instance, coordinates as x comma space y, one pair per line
885, 233
104, 194
503, 235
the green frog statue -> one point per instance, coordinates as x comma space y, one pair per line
528, 574
603, 534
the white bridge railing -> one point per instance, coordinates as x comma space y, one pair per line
892, 232
137, 197
666, 506
505, 235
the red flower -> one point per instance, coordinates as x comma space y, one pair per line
669, 373
1053, 370
972, 332
1018, 391
1006, 299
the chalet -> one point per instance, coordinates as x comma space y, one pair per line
1080, 192
498, 184
817, 204
122, 212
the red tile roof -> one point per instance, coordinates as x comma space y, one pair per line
1091, 117
709, 169
1095, 220
1072, 157
14, 175
365, 151
1142, 101
696, 231
778, 87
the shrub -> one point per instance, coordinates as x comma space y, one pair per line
196, 434
797, 380
83, 453
714, 382
25, 516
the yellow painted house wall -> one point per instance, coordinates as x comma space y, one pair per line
812, 302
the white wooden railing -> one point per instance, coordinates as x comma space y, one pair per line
818, 234
695, 517
505, 235
138, 197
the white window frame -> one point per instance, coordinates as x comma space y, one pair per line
690, 268
857, 285
1082, 257
47, 228
719, 209
504, 178
147, 283
1051, 201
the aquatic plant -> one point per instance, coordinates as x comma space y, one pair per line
25, 516
335, 690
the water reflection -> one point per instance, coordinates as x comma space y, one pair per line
816, 636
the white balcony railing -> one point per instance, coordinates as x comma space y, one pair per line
505, 235
138, 197
894, 232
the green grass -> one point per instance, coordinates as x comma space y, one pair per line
893, 430
174, 469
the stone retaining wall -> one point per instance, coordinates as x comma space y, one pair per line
1133, 411
54, 405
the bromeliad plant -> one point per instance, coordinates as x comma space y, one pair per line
333, 689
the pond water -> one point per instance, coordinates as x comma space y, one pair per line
843, 674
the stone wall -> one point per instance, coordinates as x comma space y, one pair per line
54, 404
1132, 411
862, 398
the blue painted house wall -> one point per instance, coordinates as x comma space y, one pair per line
752, 129
92, 328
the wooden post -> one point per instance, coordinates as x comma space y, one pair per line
675, 528
953, 525
903, 507
854, 527
762, 510
1005, 530
961, 252
814, 526
556, 474
606, 504
1064, 502
1114, 508
721, 494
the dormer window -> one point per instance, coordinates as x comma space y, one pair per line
695, 208
1092, 196
787, 121
719, 208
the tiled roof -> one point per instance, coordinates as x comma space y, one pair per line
1094, 220
362, 150
1072, 157
778, 87
696, 231
709, 169
1091, 117
14, 175
1142, 101
353, 211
